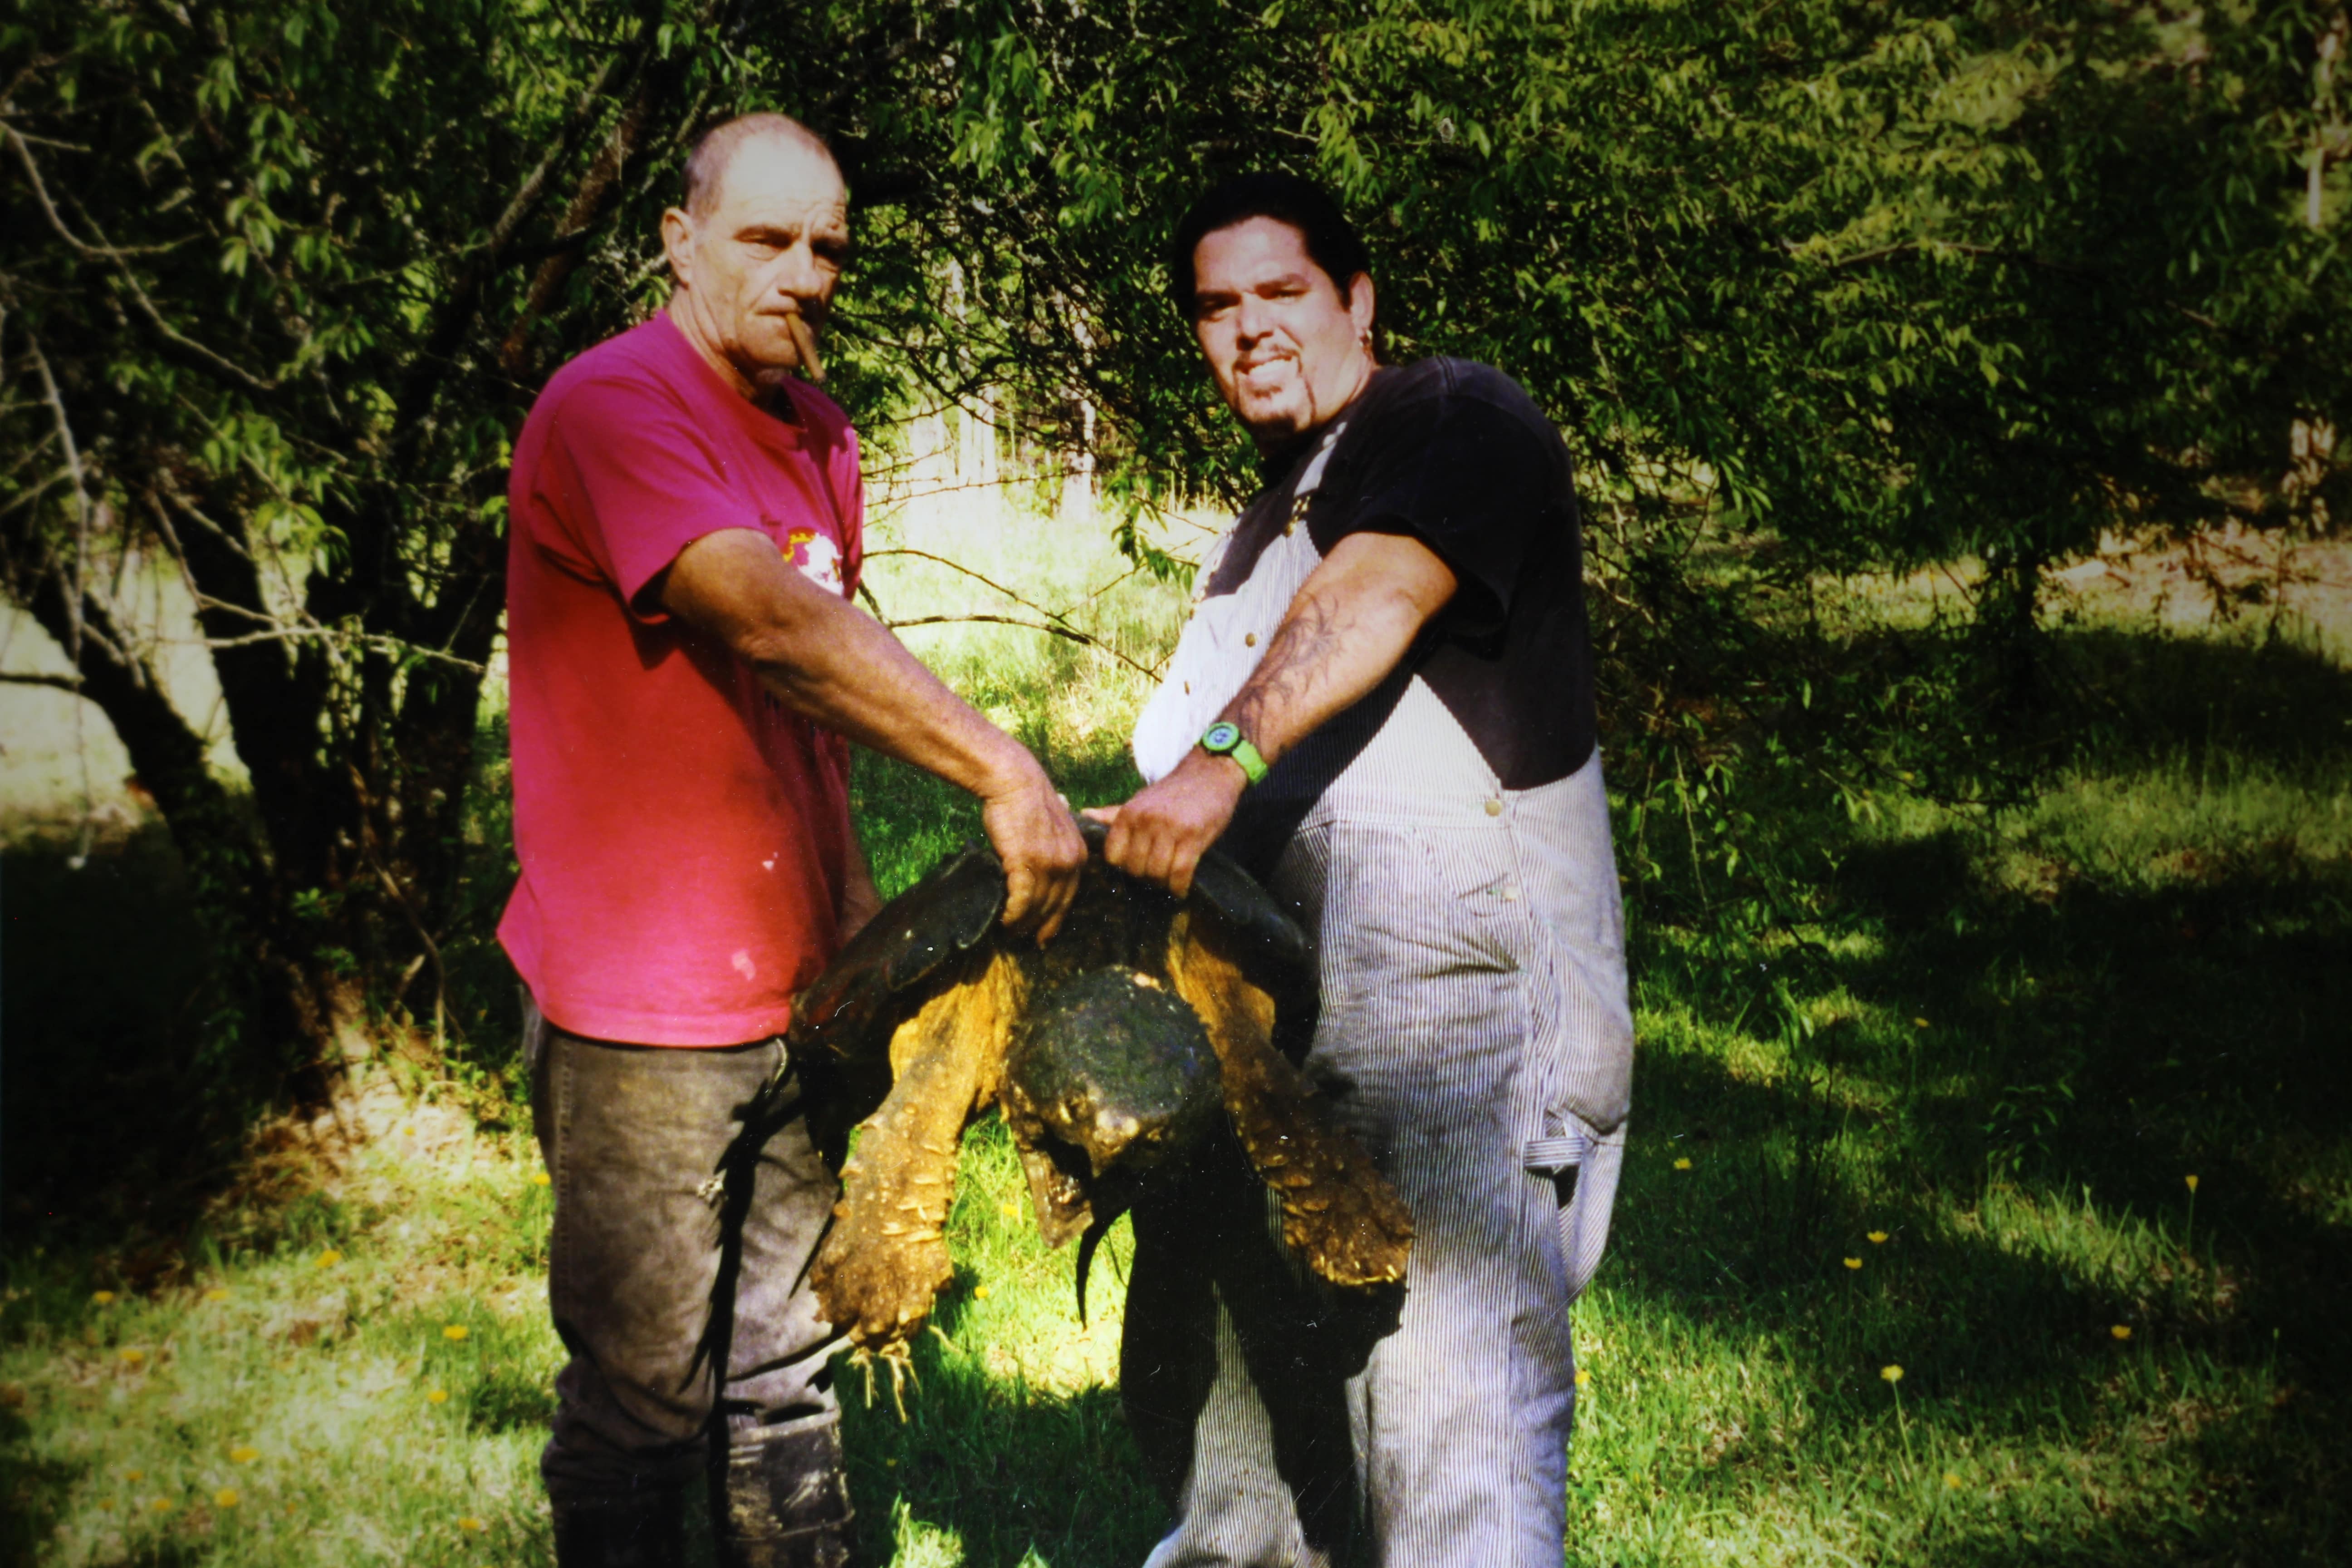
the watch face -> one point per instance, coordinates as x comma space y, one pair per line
1223, 736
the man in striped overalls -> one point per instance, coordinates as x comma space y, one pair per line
1382, 703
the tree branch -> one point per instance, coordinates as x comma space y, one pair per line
54, 682
1068, 632
105, 251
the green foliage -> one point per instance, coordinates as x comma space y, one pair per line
1810, 288
1897, 283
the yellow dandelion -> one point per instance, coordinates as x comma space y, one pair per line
2192, 1183
1683, 1163
224, 1498
160, 1504
2121, 1331
329, 1258
1919, 1024
1854, 1263
243, 1454
1877, 1238
132, 1355
455, 1331
1951, 1479
103, 1297
217, 1293
1891, 1373
470, 1524
542, 1179
106, 1505
980, 1292
1009, 1209
1583, 1377
438, 1396
134, 1475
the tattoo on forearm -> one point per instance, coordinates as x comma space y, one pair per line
1302, 664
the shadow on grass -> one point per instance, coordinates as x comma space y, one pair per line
32, 1495
2015, 1090
1008, 1469
2132, 695
100, 964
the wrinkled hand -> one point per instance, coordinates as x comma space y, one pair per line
1162, 833
1032, 832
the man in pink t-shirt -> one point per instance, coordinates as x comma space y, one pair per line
688, 672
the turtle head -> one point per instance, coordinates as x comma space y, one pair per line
1111, 1074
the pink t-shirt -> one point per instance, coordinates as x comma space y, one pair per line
683, 835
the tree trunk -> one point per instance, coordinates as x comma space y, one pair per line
267, 1028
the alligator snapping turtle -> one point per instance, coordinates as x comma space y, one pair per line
1111, 1051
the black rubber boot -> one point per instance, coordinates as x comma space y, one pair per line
648, 1532
781, 1500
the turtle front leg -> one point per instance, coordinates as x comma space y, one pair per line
1339, 1213
885, 1258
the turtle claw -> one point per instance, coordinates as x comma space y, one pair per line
899, 1361
879, 1289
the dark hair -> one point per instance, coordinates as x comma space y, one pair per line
1332, 242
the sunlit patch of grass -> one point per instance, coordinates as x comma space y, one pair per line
291, 1379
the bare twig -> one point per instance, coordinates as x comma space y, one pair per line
99, 252
106, 251
1067, 633
374, 642
1055, 623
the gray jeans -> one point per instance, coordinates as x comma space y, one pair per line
685, 1307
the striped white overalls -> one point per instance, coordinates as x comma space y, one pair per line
1474, 1035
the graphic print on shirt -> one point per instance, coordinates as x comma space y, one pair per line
817, 556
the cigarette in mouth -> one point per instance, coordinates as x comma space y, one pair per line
804, 342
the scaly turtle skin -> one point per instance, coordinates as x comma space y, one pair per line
1111, 1051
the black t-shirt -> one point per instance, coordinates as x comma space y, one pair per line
1458, 456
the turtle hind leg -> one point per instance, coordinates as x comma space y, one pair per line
885, 1259
1339, 1214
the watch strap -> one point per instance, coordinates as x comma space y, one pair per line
1225, 739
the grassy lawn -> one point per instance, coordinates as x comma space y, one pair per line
2048, 1107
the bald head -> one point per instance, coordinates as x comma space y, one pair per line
706, 167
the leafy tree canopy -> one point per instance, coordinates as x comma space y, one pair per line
1868, 283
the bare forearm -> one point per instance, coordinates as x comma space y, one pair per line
825, 659
1338, 643
1352, 622
839, 666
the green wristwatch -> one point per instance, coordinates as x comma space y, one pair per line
1224, 739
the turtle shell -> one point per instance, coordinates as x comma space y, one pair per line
928, 936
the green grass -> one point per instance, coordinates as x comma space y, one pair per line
2001, 1040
